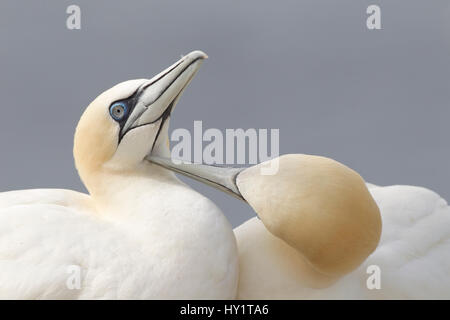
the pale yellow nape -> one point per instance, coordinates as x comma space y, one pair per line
318, 206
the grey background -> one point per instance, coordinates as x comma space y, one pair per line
377, 101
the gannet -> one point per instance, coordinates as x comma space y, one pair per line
140, 233
323, 233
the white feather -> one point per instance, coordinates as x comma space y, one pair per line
413, 255
173, 253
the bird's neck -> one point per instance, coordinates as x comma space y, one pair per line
125, 192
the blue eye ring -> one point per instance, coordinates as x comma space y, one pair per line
118, 110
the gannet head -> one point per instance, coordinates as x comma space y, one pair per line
129, 121
317, 205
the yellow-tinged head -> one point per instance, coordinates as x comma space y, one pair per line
318, 206
129, 121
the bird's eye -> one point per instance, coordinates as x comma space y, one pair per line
118, 110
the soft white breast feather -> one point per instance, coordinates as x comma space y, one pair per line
43, 232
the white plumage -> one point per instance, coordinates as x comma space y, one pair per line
413, 255
141, 233
42, 232
175, 244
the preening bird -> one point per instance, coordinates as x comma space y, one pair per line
322, 234
141, 233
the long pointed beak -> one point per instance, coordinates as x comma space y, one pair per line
156, 97
221, 178
156, 100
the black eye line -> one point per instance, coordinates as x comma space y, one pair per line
130, 103
137, 93
133, 98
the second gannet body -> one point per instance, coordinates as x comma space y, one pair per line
322, 234
141, 233
319, 235
411, 261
